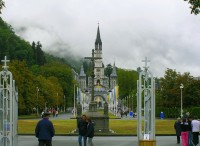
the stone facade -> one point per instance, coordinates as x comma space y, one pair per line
101, 81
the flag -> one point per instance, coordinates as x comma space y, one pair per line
114, 93
117, 91
78, 95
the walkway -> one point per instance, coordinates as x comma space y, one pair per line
98, 141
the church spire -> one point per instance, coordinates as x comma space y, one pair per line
114, 72
98, 43
82, 73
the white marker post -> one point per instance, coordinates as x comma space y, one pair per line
146, 94
8, 108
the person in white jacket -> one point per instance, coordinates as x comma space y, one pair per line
195, 131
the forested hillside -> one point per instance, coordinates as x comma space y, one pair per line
42, 79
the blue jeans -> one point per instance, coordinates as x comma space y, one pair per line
90, 143
190, 138
80, 137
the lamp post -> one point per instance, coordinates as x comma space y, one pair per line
181, 87
45, 107
57, 102
64, 103
74, 100
37, 98
83, 100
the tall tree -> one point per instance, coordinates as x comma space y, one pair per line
108, 71
2, 4
64, 75
195, 6
170, 88
38, 53
127, 81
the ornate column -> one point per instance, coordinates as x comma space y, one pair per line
146, 94
8, 108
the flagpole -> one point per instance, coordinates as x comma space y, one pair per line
74, 101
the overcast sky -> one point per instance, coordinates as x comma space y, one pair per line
164, 31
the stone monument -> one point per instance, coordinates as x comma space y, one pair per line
101, 121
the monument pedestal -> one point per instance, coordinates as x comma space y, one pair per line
93, 106
147, 143
101, 122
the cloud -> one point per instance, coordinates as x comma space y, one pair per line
163, 31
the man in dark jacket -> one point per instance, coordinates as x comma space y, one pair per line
82, 129
44, 131
90, 131
177, 127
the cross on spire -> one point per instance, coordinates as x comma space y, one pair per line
146, 61
5, 62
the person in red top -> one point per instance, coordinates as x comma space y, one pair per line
184, 131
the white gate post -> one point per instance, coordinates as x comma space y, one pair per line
8, 108
146, 107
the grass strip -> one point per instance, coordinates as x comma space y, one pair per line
120, 126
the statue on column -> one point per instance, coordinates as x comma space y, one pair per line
106, 108
79, 109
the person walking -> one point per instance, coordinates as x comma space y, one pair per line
190, 143
177, 127
82, 129
44, 131
184, 132
90, 131
195, 131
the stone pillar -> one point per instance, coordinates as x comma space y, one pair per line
79, 109
93, 106
106, 109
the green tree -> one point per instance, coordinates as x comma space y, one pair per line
2, 4
195, 6
13, 46
38, 53
25, 84
170, 88
191, 93
127, 81
108, 71
64, 75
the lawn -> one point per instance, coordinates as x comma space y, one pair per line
121, 127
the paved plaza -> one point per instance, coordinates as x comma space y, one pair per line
98, 141
25, 140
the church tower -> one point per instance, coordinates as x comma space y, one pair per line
100, 87
99, 66
82, 79
113, 77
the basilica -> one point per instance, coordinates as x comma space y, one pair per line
102, 84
